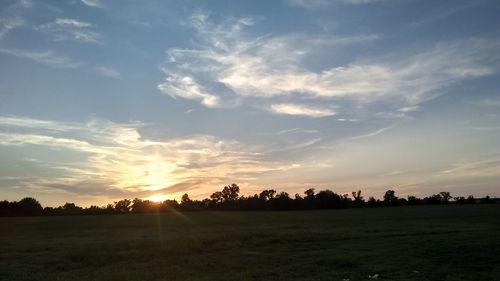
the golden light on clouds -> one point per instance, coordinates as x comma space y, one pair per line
116, 161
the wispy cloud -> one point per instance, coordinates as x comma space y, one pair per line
409, 109
19, 122
481, 168
230, 63
186, 87
49, 58
296, 130
317, 4
442, 15
489, 102
108, 71
8, 24
301, 110
62, 29
93, 3
371, 134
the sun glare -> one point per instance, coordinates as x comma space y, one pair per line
158, 198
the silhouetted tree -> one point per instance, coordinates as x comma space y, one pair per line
433, 199
327, 199
186, 202
29, 207
412, 200
282, 201
390, 197
217, 197
372, 202
445, 197
471, 200
460, 200
358, 199
309, 193
267, 194
487, 200
168, 206
230, 193
185, 199
123, 206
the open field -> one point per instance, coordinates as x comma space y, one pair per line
398, 243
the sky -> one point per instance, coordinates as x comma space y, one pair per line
103, 100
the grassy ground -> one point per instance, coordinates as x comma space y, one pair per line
407, 243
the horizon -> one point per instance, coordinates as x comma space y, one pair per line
106, 100
428, 199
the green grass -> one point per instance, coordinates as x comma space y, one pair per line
407, 243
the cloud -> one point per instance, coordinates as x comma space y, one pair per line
295, 109
8, 24
318, 4
481, 168
297, 130
186, 87
442, 15
18, 122
229, 63
489, 102
118, 158
409, 109
108, 71
64, 29
45, 57
370, 135
93, 3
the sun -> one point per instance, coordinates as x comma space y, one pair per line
157, 198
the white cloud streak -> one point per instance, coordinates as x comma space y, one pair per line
301, 110
108, 72
63, 29
93, 3
45, 57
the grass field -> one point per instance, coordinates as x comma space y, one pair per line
399, 243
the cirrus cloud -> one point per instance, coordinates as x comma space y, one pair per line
230, 63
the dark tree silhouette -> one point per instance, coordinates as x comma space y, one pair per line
29, 206
229, 199
217, 197
267, 194
230, 193
390, 197
357, 198
123, 206
445, 196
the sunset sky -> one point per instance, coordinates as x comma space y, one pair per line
103, 100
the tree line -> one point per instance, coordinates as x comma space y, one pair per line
229, 199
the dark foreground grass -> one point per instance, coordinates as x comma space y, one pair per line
407, 243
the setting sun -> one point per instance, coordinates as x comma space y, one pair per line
158, 198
